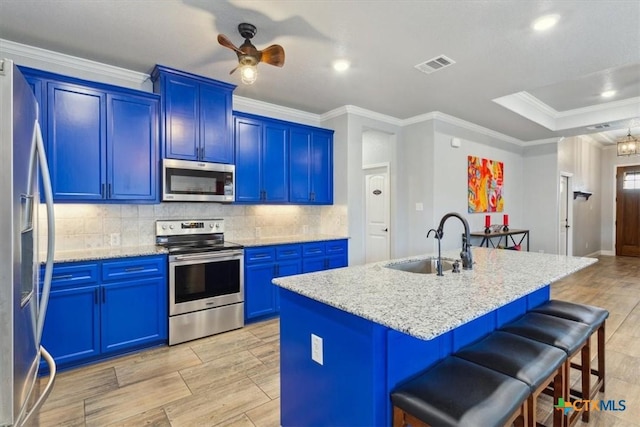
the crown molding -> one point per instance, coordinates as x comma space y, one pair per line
249, 105
437, 115
544, 141
622, 103
72, 62
362, 112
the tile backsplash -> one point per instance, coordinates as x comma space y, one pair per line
80, 226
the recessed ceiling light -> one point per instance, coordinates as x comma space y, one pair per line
608, 93
545, 22
341, 65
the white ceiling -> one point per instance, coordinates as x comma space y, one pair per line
595, 46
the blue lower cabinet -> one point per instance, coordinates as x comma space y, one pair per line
264, 263
72, 327
99, 309
259, 291
320, 256
132, 314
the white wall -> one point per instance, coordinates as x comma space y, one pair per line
541, 192
450, 192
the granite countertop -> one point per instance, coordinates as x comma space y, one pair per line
300, 238
105, 253
426, 305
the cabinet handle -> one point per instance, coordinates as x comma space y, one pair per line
62, 277
265, 194
201, 153
131, 269
95, 295
109, 191
102, 190
104, 296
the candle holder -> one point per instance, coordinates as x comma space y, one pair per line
505, 222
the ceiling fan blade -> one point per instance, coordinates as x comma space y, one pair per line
224, 41
273, 55
232, 71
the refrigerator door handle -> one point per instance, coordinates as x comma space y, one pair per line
51, 229
47, 390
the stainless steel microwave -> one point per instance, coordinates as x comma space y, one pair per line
192, 181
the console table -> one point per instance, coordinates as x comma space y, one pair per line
488, 239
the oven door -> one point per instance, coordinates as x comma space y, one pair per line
205, 280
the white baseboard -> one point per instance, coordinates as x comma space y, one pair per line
608, 253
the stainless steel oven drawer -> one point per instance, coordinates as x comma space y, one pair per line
198, 324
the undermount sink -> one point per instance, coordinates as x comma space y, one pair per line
423, 266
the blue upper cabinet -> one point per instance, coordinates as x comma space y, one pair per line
76, 118
102, 140
132, 143
196, 116
261, 159
311, 165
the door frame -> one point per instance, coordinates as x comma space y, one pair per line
569, 177
365, 171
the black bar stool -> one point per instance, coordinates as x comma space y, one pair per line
595, 318
456, 392
532, 362
567, 335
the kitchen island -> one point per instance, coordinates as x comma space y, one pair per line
377, 326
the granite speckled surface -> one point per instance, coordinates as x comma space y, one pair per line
106, 253
302, 238
426, 305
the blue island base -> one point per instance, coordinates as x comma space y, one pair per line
362, 361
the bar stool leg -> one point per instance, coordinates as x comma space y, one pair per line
601, 368
586, 376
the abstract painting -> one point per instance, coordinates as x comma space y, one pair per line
485, 185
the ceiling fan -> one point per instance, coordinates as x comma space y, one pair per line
249, 56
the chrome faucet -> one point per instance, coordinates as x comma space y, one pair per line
465, 254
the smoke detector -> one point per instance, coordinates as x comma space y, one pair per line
435, 64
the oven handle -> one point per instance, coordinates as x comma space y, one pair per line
206, 256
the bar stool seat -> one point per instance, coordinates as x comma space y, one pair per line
595, 318
456, 392
587, 314
567, 335
532, 362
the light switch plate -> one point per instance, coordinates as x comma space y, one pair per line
419, 207
316, 349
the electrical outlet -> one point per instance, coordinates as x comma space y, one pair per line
114, 239
316, 349
258, 232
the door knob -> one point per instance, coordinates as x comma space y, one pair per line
386, 229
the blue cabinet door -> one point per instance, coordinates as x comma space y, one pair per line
133, 313
311, 166
275, 162
321, 168
299, 165
132, 141
181, 116
216, 140
72, 329
248, 141
259, 294
76, 130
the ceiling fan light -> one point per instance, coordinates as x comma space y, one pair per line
628, 145
248, 73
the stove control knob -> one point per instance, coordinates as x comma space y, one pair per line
217, 225
164, 227
210, 225
171, 227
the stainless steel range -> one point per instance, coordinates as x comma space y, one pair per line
206, 279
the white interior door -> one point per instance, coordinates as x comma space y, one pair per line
377, 214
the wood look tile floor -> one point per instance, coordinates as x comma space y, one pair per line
232, 379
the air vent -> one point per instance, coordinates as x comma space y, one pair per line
435, 64
599, 127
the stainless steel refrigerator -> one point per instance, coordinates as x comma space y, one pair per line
22, 305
